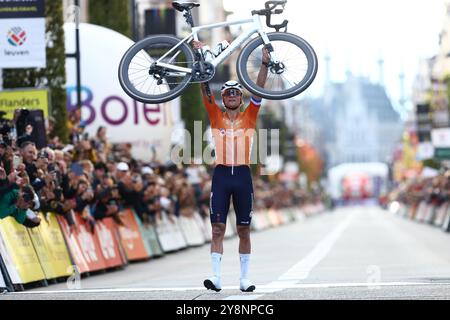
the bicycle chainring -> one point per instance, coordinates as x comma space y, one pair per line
202, 76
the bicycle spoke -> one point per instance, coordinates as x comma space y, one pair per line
136, 86
147, 56
141, 69
148, 90
286, 79
136, 72
146, 60
138, 64
140, 77
143, 85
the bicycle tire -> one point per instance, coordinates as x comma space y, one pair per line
307, 80
130, 89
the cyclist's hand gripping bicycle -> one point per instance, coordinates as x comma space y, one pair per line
159, 68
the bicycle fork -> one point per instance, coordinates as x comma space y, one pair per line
274, 61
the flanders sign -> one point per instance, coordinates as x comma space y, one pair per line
23, 99
22, 34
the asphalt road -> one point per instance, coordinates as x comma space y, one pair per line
351, 253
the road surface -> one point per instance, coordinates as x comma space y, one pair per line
350, 253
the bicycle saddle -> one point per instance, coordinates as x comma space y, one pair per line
184, 6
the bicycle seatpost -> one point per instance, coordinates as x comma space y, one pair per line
188, 15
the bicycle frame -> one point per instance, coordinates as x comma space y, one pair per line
255, 28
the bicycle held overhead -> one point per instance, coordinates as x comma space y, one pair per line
159, 68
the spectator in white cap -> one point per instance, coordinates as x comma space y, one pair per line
147, 171
122, 171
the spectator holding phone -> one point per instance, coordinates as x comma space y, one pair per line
17, 200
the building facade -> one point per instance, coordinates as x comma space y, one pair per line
353, 122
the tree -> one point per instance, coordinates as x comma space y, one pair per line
192, 110
54, 75
112, 14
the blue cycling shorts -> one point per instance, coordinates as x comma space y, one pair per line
232, 183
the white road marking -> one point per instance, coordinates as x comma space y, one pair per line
260, 289
303, 268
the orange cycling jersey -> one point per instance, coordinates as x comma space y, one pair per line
232, 139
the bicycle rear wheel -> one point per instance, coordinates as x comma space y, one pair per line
159, 85
298, 66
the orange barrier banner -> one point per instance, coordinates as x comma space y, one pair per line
83, 246
74, 248
90, 245
108, 237
131, 237
21, 250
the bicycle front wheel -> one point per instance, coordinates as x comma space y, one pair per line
148, 84
295, 73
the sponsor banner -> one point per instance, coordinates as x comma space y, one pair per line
42, 253
51, 235
8, 263
131, 237
32, 99
22, 9
22, 43
104, 103
21, 250
151, 240
442, 153
89, 244
108, 238
75, 250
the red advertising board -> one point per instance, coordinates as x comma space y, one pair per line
131, 237
108, 238
83, 245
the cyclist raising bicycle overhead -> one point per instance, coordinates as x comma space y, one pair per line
232, 133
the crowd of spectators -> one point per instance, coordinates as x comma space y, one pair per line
96, 179
433, 190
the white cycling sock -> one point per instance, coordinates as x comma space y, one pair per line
216, 258
245, 261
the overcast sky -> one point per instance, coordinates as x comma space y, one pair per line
356, 33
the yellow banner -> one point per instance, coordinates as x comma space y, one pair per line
21, 250
53, 240
29, 99
42, 252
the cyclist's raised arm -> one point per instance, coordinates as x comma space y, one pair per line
206, 93
208, 98
263, 71
208, 101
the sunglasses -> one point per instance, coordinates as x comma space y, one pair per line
232, 93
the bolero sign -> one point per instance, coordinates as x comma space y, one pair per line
147, 127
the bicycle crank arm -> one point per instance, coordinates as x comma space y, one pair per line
172, 67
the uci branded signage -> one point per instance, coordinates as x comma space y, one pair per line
22, 34
19, 99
